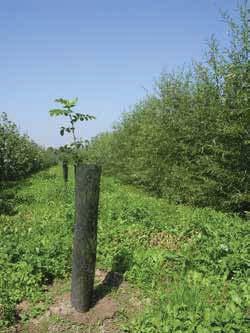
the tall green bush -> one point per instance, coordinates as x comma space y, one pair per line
19, 155
189, 140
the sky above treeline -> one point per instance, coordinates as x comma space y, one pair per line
107, 53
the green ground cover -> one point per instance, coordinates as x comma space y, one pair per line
192, 264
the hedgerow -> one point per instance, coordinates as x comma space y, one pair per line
189, 140
19, 155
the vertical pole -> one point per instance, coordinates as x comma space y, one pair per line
85, 235
65, 171
248, 27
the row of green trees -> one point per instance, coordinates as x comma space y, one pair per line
19, 155
189, 140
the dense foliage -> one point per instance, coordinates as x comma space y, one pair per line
190, 263
189, 140
20, 156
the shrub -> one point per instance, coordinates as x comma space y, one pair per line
189, 141
19, 155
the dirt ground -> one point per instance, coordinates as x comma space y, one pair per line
114, 303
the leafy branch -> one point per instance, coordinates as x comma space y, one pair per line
73, 116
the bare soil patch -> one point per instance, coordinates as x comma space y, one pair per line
114, 303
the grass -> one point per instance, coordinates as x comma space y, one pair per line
191, 264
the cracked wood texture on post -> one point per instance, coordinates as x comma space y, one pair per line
87, 190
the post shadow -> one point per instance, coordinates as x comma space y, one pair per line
113, 279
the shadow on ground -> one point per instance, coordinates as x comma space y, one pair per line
121, 263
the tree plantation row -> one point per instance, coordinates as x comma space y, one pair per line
19, 155
184, 248
189, 140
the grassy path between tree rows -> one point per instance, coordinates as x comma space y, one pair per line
189, 265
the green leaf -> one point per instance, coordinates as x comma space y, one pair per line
62, 131
66, 102
85, 117
56, 112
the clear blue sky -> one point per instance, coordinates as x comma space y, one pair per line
103, 51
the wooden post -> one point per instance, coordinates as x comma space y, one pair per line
85, 235
65, 171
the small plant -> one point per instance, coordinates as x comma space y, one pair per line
73, 118
70, 151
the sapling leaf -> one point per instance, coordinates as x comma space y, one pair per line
67, 103
56, 112
62, 131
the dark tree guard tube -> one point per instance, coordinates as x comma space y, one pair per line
65, 171
87, 190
